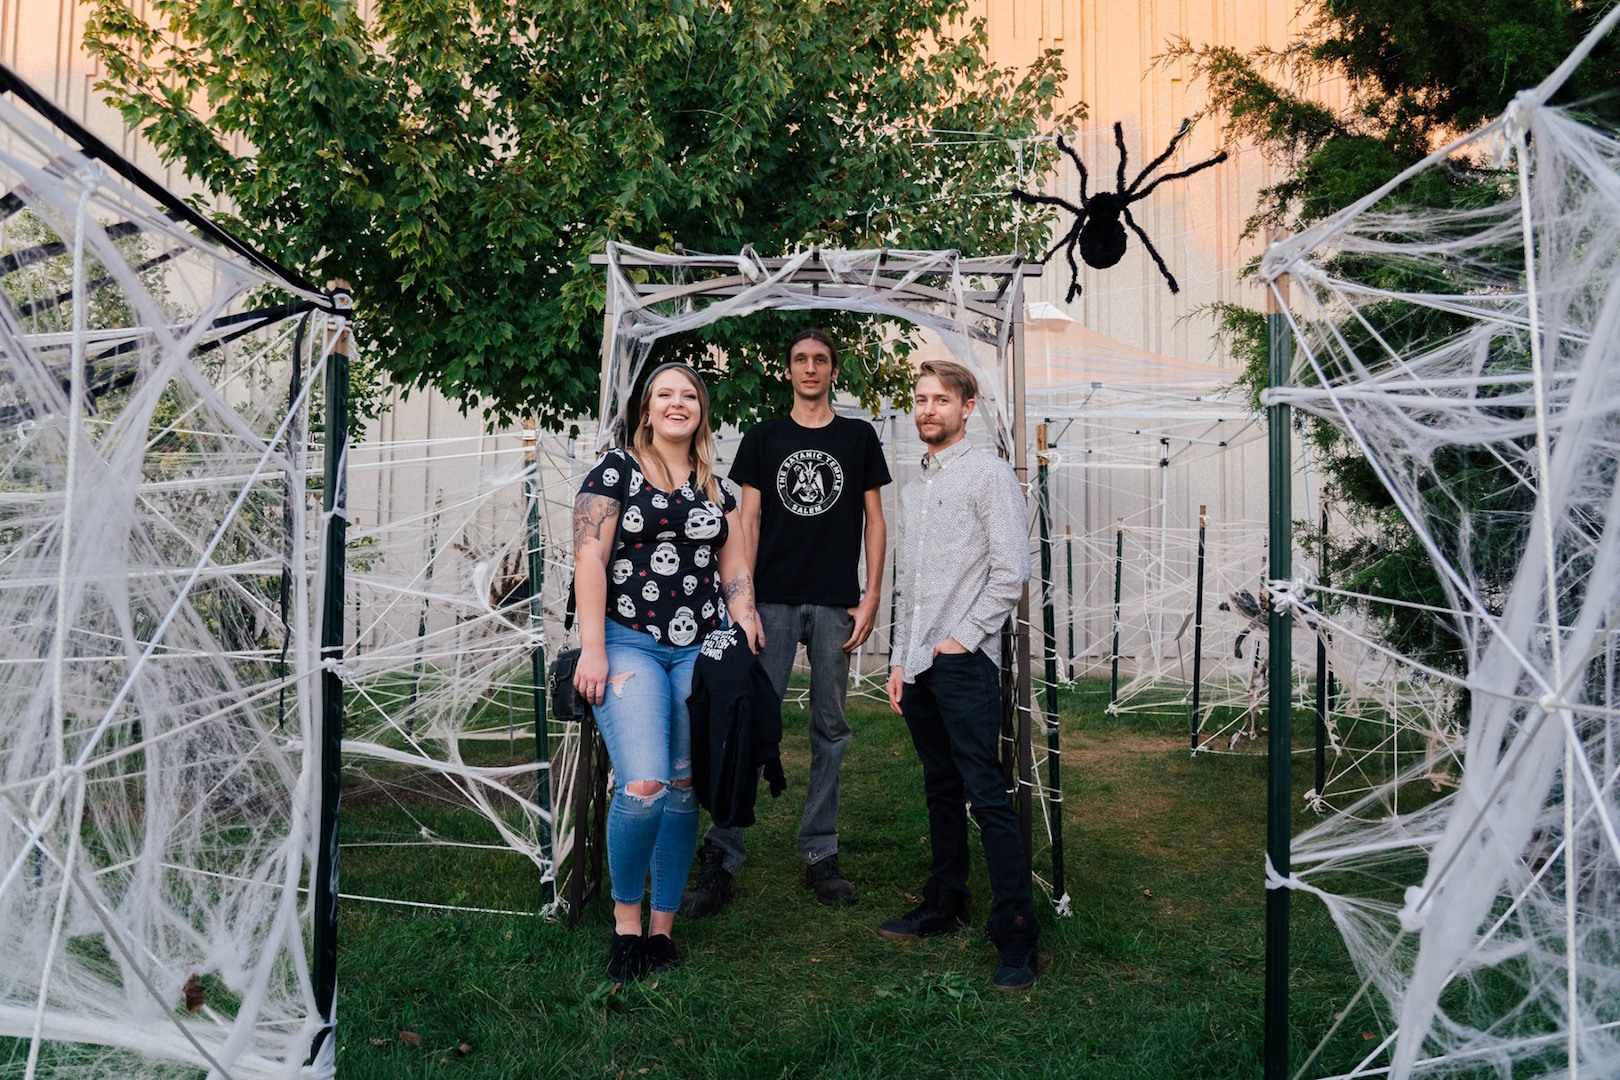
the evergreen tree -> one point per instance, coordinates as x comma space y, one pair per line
1417, 75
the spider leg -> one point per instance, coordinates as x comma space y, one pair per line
1078, 164
1047, 200
1153, 251
1175, 140
1119, 141
1074, 270
1068, 240
1216, 160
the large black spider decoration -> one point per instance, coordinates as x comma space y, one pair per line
1097, 230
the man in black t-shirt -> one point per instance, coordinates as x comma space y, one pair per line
811, 502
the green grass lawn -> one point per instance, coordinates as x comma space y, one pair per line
1156, 974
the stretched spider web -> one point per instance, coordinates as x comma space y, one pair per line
1451, 345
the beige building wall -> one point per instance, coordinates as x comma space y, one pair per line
1111, 52
42, 40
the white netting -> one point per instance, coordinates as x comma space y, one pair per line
158, 706
1473, 356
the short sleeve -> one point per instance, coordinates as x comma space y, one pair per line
610, 477
877, 465
728, 495
745, 466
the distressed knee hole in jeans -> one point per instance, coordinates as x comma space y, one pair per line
681, 796
646, 792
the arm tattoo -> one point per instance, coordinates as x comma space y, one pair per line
741, 586
591, 512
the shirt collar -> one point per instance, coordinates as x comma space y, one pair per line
936, 461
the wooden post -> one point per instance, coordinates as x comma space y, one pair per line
537, 628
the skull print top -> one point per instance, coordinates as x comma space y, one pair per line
664, 577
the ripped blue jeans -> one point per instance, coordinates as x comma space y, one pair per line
648, 734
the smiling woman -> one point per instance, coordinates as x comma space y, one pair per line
652, 562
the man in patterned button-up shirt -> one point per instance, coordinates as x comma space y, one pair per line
963, 560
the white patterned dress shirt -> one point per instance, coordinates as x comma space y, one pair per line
963, 555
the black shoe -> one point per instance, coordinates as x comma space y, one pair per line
924, 920
1015, 953
828, 880
659, 952
713, 886
626, 961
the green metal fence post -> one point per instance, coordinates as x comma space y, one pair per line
334, 503
1280, 715
1119, 579
1054, 786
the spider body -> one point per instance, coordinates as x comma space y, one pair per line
1100, 220
1102, 236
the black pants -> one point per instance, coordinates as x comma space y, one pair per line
954, 713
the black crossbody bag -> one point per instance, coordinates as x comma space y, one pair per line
567, 703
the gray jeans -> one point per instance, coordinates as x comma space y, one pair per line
822, 631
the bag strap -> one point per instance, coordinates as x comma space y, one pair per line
568, 612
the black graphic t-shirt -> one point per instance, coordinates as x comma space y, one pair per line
812, 484
664, 578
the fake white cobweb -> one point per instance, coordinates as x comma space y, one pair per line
157, 806
1474, 357
161, 576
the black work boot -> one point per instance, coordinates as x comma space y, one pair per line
936, 914
1014, 937
712, 888
827, 879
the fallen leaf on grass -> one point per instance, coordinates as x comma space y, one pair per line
894, 753
464, 1049
380, 1042
910, 897
815, 959
1368, 1035
682, 1041
410, 1038
193, 991
1148, 893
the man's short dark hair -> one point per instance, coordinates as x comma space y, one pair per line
952, 376
814, 334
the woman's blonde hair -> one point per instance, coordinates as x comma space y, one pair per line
702, 450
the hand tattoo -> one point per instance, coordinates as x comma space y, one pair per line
591, 512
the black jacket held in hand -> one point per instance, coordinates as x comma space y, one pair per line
736, 729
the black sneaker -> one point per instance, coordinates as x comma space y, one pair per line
924, 920
1015, 954
626, 961
828, 880
713, 886
659, 952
